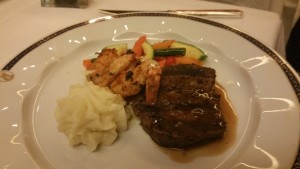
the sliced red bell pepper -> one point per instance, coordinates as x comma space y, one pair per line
170, 61
162, 63
137, 48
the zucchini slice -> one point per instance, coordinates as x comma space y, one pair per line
121, 48
191, 50
170, 52
148, 50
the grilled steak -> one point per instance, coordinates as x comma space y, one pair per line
187, 111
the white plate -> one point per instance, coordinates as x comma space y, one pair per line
262, 87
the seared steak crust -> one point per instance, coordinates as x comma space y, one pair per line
187, 111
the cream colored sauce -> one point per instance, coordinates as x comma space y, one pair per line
213, 148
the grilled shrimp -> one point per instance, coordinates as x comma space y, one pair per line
105, 58
152, 82
144, 72
127, 75
103, 77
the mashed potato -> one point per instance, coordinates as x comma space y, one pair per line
91, 115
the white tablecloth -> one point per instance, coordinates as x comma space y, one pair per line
24, 22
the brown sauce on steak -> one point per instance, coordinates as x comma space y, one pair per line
192, 115
216, 147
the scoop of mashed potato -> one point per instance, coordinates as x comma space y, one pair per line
91, 115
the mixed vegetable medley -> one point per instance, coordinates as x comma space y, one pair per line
167, 52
